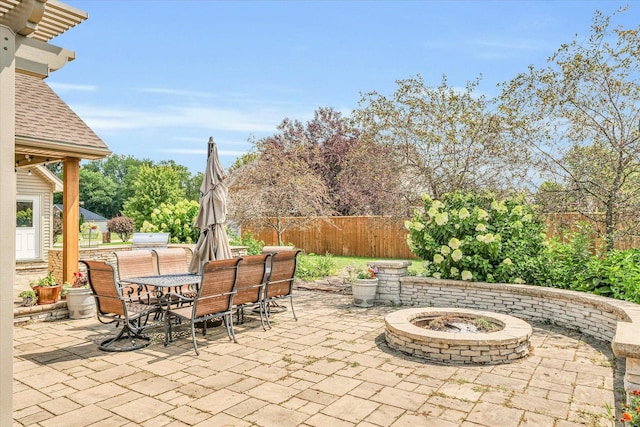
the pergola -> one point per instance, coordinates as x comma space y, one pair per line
36, 127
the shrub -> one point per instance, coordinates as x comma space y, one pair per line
314, 266
123, 226
254, 246
615, 275
176, 219
476, 237
568, 260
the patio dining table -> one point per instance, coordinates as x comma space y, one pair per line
165, 283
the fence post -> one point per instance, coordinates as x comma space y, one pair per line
389, 274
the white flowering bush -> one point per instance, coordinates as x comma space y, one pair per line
176, 219
476, 237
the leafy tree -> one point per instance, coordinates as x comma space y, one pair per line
153, 186
189, 184
277, 189
97, 192
580, 118
448, 139
245, 158
122, 170
192, 188
373, 182
323, 143
56, 168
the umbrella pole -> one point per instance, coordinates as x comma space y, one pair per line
210, 148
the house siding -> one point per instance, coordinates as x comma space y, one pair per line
36, 185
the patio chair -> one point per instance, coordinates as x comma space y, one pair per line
213, 300
253, 274
138, 263
280, 283
171, 261
113, 306
174, 261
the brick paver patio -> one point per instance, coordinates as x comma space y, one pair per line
331, 368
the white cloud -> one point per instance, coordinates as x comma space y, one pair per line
113, 120
178, 92
71, 87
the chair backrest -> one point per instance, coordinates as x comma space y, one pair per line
252, 277
283, 270
171, 261
102, 280
135, 264
216, 287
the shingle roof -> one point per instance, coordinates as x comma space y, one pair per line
42, 115
88, 215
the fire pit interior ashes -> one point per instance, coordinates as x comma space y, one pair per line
458, 336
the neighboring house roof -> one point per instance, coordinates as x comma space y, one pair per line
44, 122
88, 215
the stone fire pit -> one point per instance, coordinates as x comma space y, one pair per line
460, 342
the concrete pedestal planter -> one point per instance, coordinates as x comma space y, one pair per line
80, 303
364, 292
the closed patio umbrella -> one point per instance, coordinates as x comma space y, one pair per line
213, 242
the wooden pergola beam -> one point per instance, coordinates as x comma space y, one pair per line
70, 217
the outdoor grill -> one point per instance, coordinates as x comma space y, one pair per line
149, 240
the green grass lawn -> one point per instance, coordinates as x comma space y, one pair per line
342, 262
115, 241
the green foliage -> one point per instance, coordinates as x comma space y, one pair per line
616, 275
190, 185
29, 293
476, 237
312, 266
97, 192
358, 272
89, 228
567, 261
48, 281
153, 186
176, 219
631, 414
24, 218
254, 246
29, 297
123, 226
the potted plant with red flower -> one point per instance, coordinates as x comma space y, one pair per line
364, 285
80, 301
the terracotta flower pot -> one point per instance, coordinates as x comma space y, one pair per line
47, 294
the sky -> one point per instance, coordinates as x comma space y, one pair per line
156, 78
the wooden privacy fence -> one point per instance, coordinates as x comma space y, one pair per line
383, 237
367, 236
558, 223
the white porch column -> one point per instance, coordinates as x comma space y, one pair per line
7, 220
